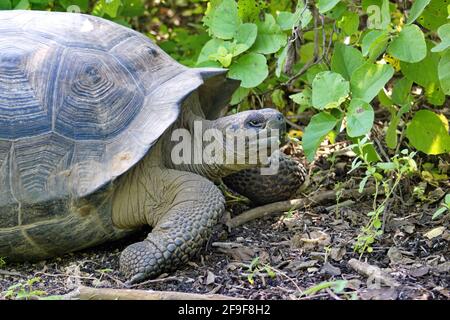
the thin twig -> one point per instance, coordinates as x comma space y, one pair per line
9, 273
137, 285
315, 59
283, 206
380, 147
294, 125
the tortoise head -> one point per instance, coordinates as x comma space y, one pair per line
216, 148
252, 136
248, 138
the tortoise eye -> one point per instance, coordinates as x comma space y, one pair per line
255, 120
256, 124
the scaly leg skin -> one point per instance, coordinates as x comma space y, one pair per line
180, 232
262, 189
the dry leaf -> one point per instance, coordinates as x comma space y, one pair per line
436, 232
337, 253
395, 255
310, 241
210, 278
328, 268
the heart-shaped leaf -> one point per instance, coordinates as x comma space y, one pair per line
319, 126
251, 69
369, 79
329, 90
360, 117
428, 132
409, 45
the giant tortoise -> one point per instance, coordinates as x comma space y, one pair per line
88, 109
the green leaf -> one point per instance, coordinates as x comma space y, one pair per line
82, 4
386, 166
368, 150
444, 72
377, 224
251, 69
384, 99
401, 92
110, 7
428, 132
249, 10
349, 23
329, 90
360, 117
362, 184
337, 12
245, 37
416, 10
222, 18
281, 61
339, 285
438, 213
270, 36
313, 71
223, 56
391, 133
374, 43
425, 74
40, 2
447, 200
345, 60
317, 129
326, 5
22, 5
385, 14
131, 8
302, 98
5, 5
409, 45
369, 79
210, 48
434, 15
287, 20
239, 95
277, 97
444, 34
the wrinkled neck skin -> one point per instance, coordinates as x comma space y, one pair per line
193, 122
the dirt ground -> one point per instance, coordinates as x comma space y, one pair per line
279, 257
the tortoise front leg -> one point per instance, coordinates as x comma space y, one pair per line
196, 205
262, 189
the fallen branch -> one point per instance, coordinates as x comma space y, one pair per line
282, 206
374, 273
88, 293
9, 273
346, 203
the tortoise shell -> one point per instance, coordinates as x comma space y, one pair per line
82, 100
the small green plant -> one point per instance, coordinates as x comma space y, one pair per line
255, 268
386, 175
445, 207
289, 214
339, 188
2, 262
337, 286
244, 36
24, 291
